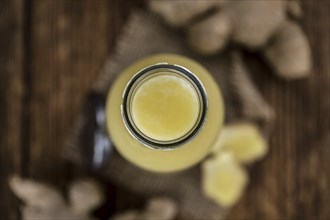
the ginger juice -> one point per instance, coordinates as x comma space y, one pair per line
164, 113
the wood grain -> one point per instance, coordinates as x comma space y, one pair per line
69, 44
293, 181
50, 53
11, 97
64, 61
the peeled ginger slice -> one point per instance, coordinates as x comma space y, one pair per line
223, 179
243, 140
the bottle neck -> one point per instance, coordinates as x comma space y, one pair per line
164, 106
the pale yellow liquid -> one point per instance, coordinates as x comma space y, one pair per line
165, 107
179, 158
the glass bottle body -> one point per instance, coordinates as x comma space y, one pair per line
182, 137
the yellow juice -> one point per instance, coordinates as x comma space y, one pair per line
164, 113
165, 107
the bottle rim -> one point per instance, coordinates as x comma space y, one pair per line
145, 74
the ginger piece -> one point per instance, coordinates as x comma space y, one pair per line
257, 25
180, 13
33, 212
223, 179
210, 35
288, 52
85, 195
128, 215
44, 202
36, 194
244, 141
250, 23
294, 9
160, 208
157, 208
255, 21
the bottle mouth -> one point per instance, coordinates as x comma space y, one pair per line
158, 70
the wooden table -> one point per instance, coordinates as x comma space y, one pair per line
50, 53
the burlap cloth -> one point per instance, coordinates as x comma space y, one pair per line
145, 34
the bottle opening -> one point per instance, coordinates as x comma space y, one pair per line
164, 106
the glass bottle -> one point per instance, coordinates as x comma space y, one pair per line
165, 113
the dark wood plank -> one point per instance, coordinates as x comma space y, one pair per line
313, 144
69, 42
11, 95
293, 181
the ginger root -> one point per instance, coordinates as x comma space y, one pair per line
180, 13
287, 52
157, 208
85, 195
223, 176
243, 140
257, 25
44, 202
223, 179
210, 35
